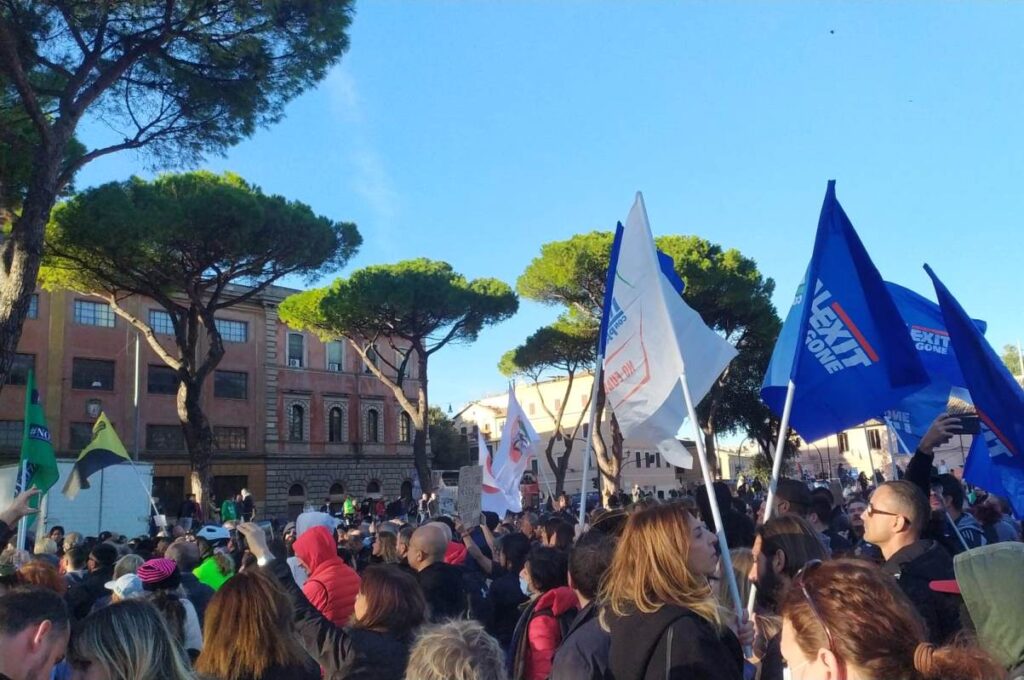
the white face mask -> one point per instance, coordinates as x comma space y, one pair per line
524, 586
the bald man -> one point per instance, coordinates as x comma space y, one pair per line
441, 583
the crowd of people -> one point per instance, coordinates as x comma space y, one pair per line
908, 581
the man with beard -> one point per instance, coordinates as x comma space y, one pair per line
782, 546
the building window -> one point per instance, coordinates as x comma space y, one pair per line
160, 322
33, 306
296, 501
373, 487
874, 440
531, 409
230, 385
23, 363
169, 491
637, 459
648, 458
81, 435
373, 358
165, 438
162, 380
373, 425
404, 428
11, 433
657, 459
844, 442
558, 405
232, 331
296, 416
335, 356
296, 350
89, 313
92, 374
230, 438
228, 486
336, 425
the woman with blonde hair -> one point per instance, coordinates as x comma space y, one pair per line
385, 549
249, 634
847, 620
660, 608
127, 641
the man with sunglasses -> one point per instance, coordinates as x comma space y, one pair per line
894, 520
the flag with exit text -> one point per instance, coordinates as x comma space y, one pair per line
998, 453
843, 344
37, 455
651, 338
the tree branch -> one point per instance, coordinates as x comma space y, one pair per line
14, 70
143, 328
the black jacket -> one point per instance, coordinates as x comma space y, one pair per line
198, 593
583, 654
673, 643
6, 534
82, 596
442, 586
914, 567
343, 653
505, 597
308, 671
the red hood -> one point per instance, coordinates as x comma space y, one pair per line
315, 547
559, 600
455, 554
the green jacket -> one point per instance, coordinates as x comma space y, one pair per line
350, 507
228, 511
209, 572
990, 582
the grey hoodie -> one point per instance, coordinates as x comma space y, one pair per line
990, 582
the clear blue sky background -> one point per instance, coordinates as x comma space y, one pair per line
473, 132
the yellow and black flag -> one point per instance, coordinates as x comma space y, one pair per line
104, 450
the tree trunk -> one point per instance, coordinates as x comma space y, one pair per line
21, 253
421, 423
712, 453
608, 461
198, 439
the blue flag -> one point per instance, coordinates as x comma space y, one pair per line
999, 400
923, 318
843, 344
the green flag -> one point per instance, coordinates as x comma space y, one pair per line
37, 455
104, 450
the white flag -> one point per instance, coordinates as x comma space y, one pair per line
518, 444
492, 498
652, 335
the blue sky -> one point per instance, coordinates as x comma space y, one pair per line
473, 132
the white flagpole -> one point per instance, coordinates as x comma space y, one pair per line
23, 522
893, 447
780, 450
726, 558
591, 433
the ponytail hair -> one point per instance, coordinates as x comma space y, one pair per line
874, 626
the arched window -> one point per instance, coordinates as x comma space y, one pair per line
336, 424
404, 428
371, 355
406, 489
335, 497
373, 486
373, 425
296, 416
296, 501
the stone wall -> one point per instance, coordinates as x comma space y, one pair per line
317, 475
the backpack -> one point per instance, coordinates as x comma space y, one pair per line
564, 620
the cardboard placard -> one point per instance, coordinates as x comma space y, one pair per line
471, 482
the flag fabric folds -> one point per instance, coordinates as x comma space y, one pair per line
37, 455
998, 454
492, 498
104, 450
518, 444
651, 338
927, 328
843, 344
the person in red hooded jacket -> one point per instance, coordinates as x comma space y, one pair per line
550, 611
332, 585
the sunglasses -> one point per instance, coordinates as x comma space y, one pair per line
800, 581
872, 510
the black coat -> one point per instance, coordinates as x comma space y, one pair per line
673, 643
442, 586
199, 594
343, 653
82, 597
505, 597
914, 567
583, 654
